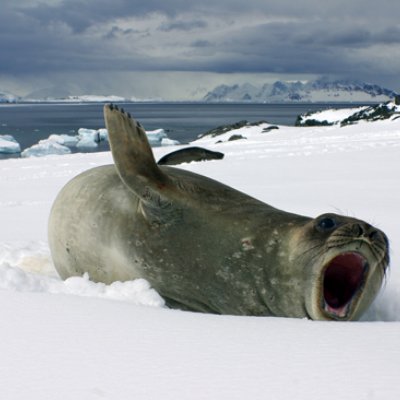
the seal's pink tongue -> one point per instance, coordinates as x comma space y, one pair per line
342, 278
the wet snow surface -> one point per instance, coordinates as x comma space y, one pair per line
81, 340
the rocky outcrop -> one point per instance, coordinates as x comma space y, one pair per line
388, 110
230, 127
374, 113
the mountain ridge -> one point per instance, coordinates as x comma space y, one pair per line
320, 90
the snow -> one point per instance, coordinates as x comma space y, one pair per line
332, 116
39, 97
91, 99
337, 116
81, 340
9, 145
136, 292
319, 91
393, 106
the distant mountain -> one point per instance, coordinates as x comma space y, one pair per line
79, 99
53, 92
321, 90
68, 93
6, 97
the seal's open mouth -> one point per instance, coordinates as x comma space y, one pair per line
343, 277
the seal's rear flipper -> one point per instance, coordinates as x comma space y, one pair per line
133, 156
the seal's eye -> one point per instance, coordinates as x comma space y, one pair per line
326, 224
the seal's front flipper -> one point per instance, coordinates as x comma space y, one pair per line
133, 156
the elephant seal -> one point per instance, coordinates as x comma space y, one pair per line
205, 246
189, 154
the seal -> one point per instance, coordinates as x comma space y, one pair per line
189, 154
205, 246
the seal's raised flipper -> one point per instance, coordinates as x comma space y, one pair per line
133, 156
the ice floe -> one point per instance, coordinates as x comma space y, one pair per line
8, 145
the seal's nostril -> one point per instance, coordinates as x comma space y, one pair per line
358, 229
373, 235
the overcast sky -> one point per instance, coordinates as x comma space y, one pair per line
181, 48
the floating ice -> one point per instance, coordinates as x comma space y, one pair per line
44, 148
155, 137
9, 145
103, 134
65, 140
169, 142
158, 137
88, 138
87, 143
84, 132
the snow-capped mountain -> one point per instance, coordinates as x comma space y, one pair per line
321, 90
6, 97
69, 93
87, 99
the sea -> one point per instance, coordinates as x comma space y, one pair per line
29, 123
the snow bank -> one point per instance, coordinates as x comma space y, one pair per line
9, 145
137, 292
388, 110
330, 117
29, 268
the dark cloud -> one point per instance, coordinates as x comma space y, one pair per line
82, 14
201, 43
285, 37
116, 32
183, 25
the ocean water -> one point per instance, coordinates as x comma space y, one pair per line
29, 123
